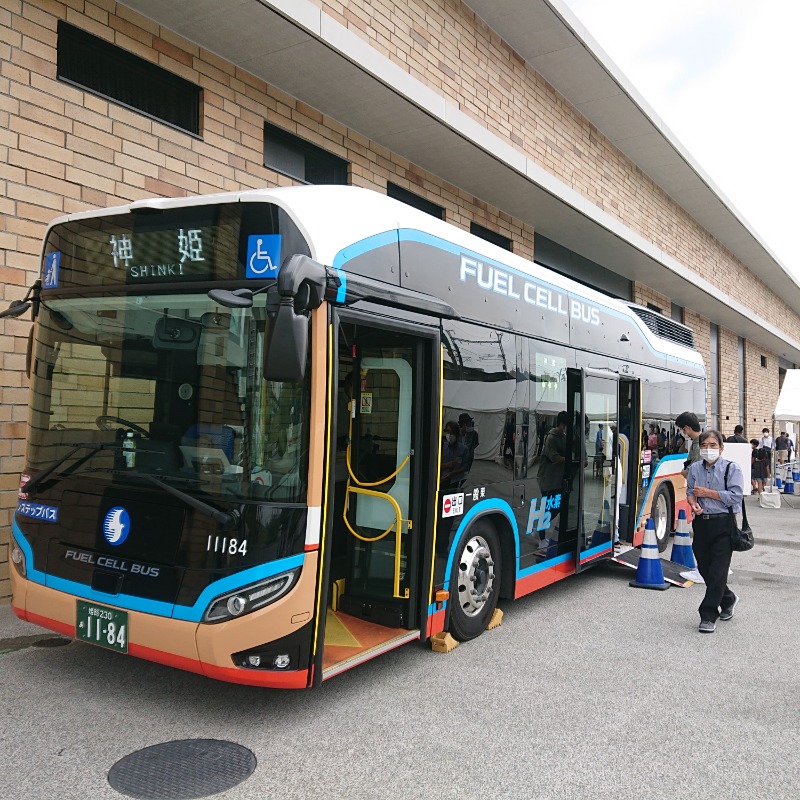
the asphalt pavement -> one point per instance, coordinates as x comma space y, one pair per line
589, 689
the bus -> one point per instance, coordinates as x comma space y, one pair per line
273, 434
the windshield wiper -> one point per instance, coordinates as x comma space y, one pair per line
227, 519
94, 447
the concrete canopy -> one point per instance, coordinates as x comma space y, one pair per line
295, 46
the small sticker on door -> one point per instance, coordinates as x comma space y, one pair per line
453, 505
366, 402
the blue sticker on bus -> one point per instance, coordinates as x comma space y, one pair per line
38, 511
52, 261
116, 525
263, 255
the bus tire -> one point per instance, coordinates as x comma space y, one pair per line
474, 581
663, 515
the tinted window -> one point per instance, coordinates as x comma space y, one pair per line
105, 69
293, 156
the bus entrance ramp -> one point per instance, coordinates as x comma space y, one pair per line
629, 557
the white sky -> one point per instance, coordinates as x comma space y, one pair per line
722, 75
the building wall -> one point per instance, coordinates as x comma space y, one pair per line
64, 150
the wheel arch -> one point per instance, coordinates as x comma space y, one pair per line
501, 517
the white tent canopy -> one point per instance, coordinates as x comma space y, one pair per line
788, 407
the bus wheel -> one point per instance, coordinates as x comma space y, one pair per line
662, 517
475, 581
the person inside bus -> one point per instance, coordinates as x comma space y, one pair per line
714, 488
453, 456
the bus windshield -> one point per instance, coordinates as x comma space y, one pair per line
173, 385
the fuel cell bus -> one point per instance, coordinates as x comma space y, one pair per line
276, 433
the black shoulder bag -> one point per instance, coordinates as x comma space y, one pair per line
741, 538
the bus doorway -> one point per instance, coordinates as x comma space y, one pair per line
595, 444
383, 466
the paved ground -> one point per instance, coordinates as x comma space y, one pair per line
589, 689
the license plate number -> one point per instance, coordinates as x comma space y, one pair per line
101, 625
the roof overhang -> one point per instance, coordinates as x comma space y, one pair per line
293, 45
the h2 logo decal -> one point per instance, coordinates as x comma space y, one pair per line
539, 516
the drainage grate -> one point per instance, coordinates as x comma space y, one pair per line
182, 770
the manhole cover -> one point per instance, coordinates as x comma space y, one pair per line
182, 770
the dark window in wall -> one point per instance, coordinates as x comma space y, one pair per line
560, 259
491, 236
289, 154
654, 307
677, 313
102, 68
763, 361
742, 404
713, 377
411, 199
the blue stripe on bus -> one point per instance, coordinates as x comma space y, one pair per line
364, 246
413, 235
593, 551
489, 504
193, 613
551, 562
341, 294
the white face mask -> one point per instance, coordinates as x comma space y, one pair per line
450, 438
707, 454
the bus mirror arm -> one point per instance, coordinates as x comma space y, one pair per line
17, 308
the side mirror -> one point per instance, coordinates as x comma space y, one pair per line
286, 354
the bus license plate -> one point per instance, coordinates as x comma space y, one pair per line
101, 625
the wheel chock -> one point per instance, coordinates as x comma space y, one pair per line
443, 642
496, 621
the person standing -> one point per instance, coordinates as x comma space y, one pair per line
689, 425
759, 467
715, 488
782, 448
738, 432
766, 442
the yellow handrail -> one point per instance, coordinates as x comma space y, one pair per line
359, 488
397, 525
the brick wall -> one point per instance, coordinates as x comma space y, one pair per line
63, 150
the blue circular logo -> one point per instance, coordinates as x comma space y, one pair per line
116, 526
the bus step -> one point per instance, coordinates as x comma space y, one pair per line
381, 612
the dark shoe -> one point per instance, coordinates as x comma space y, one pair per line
707, 627
727, 613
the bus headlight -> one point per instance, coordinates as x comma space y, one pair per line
250, 598
18, 557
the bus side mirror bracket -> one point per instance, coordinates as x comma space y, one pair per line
301, 288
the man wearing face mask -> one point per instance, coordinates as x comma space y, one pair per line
712, 497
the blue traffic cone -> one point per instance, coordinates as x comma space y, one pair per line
682, 545
649, 574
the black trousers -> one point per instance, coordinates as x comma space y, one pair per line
712, 550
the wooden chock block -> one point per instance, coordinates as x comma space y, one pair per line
496, 621
443, 642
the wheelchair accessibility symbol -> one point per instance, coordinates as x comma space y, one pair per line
263, 255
